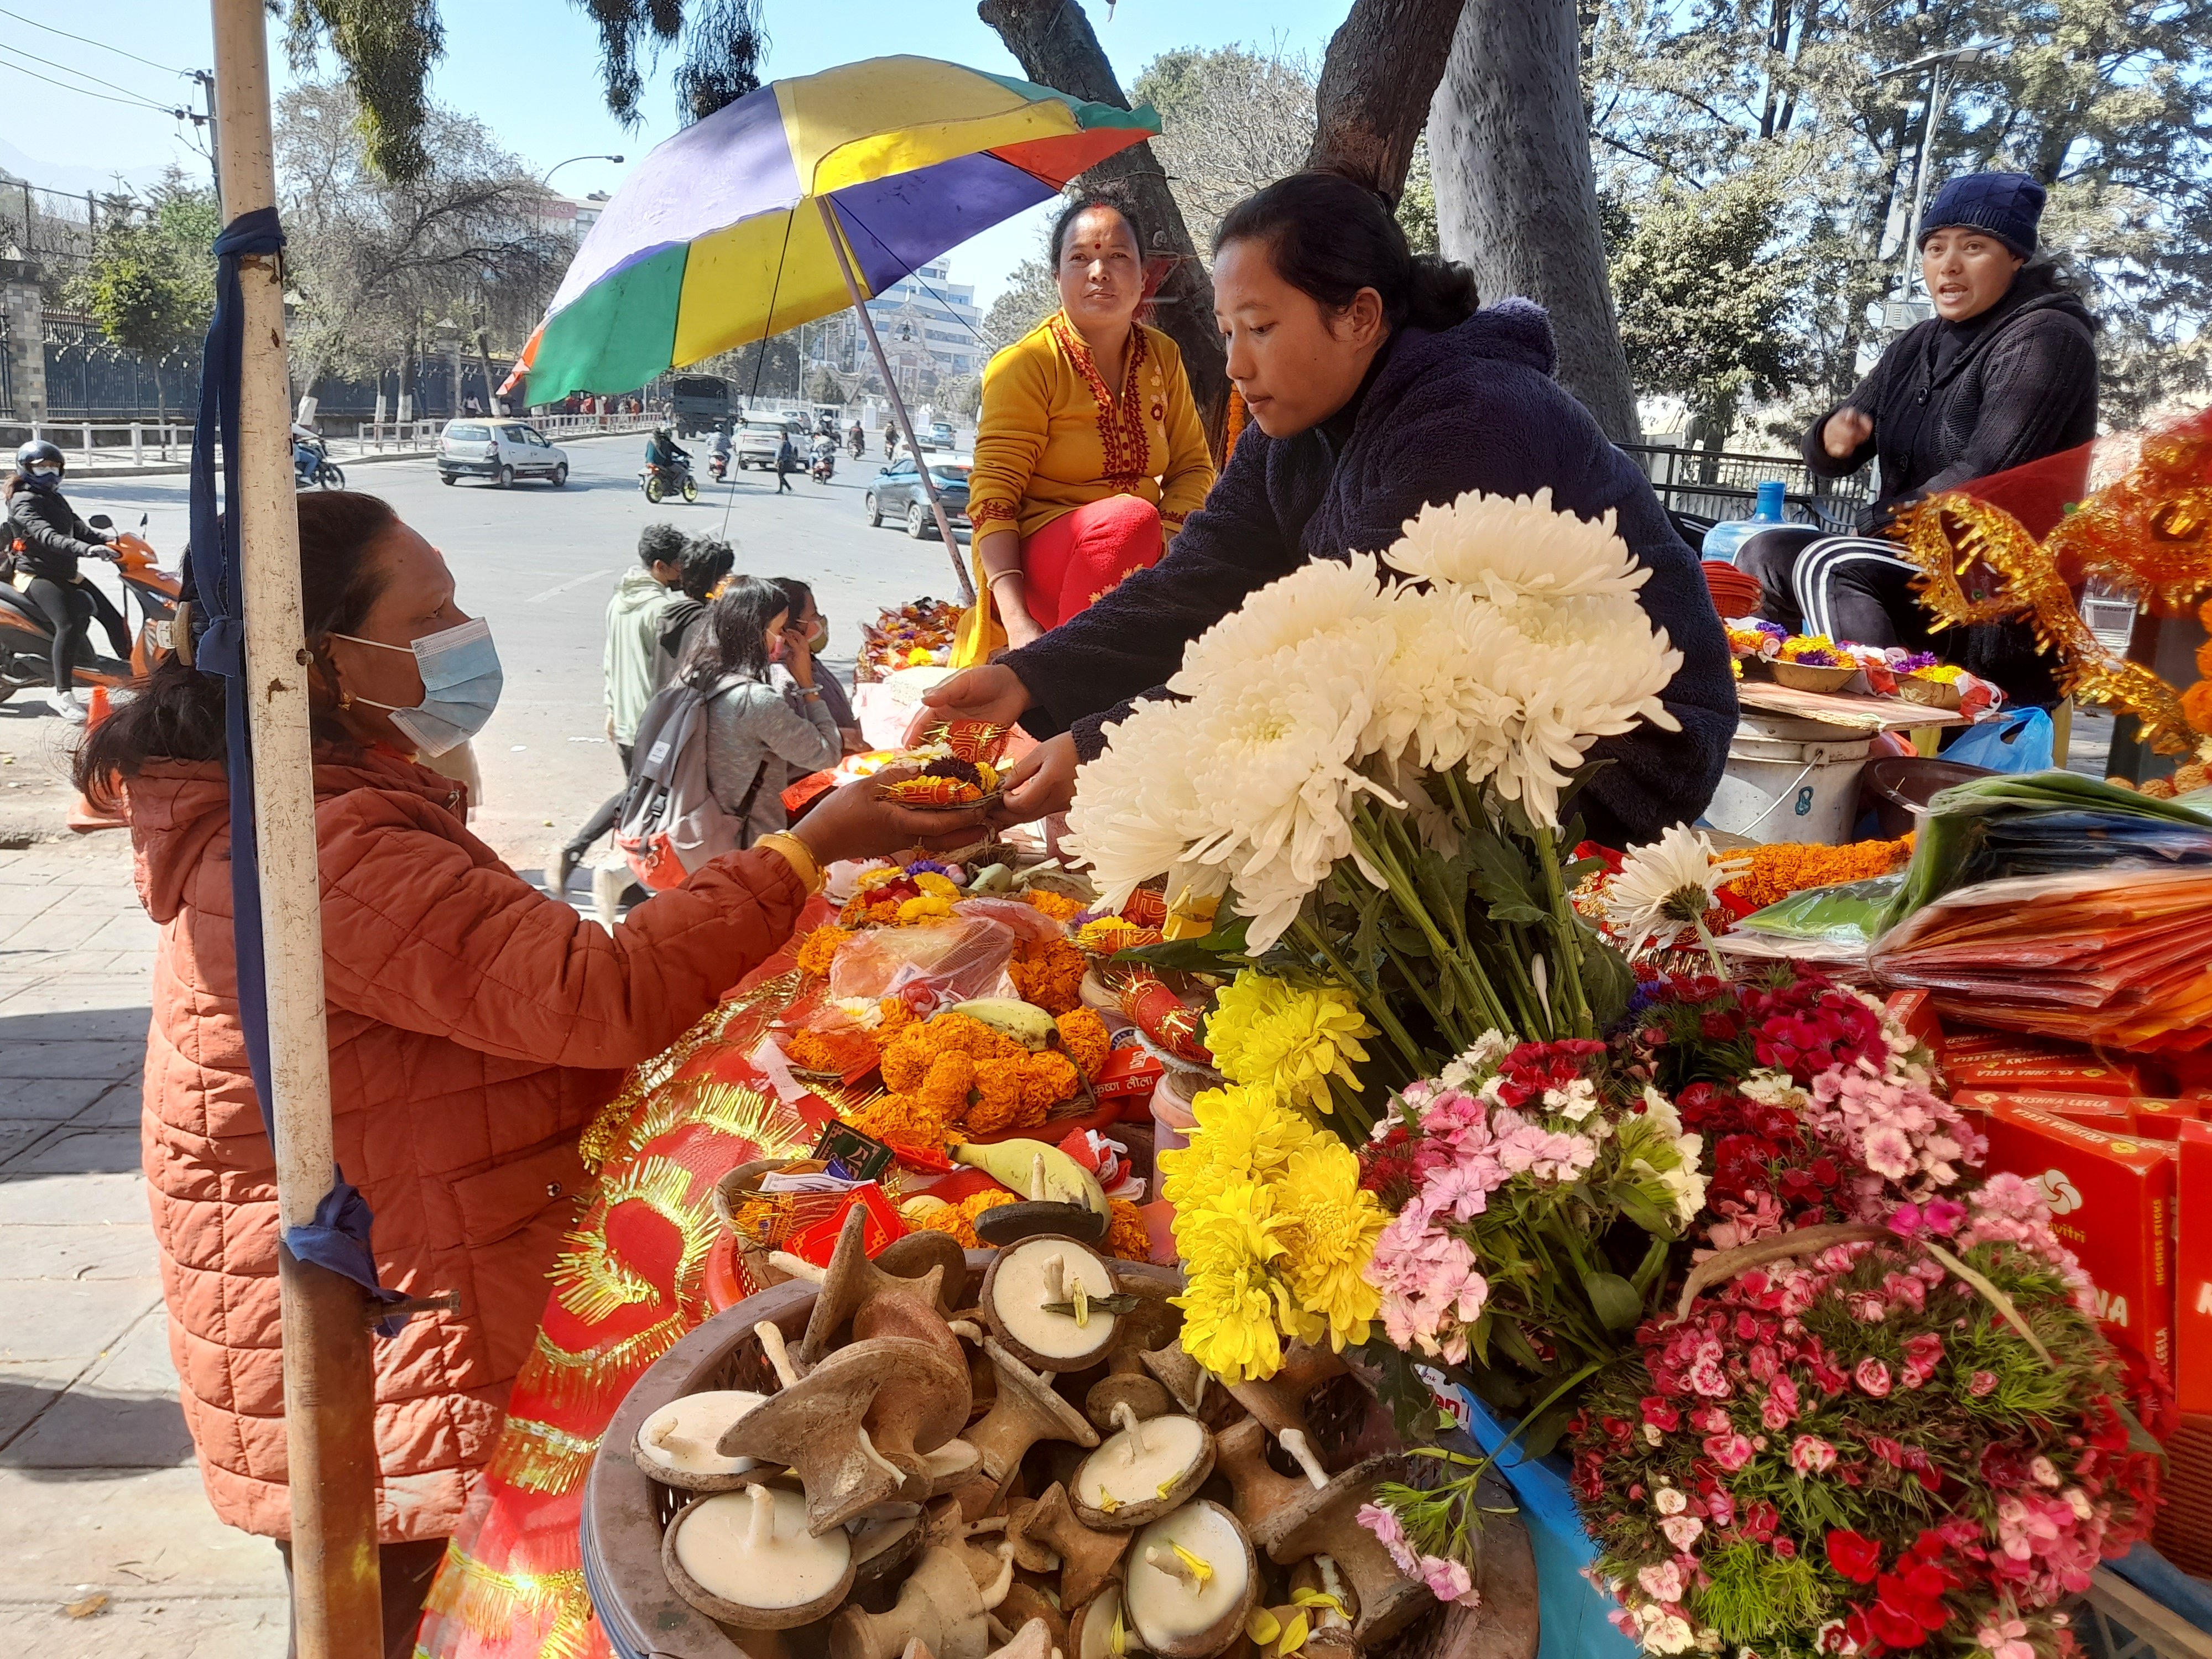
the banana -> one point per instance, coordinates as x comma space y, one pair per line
1034, 1170
1025, 1022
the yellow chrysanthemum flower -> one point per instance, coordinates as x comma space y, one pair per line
1243, 1133
1235, 1228
936, 886
1329, 1227
1289, 1037
1228, 1324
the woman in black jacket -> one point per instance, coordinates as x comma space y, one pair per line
1374, 388
47, 538
2004, 374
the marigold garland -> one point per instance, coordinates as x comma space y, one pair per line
820, 947
1049, 973
959, 1219
1782, 868
1128, 1238
1058, 906
842, 1052
954, 1076
1083, 1034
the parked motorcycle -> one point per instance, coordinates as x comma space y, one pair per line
27, 636
659, 482
311, 464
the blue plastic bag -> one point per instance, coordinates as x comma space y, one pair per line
2020, 740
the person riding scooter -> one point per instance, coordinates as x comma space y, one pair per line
823, 462
718, 454
47, 539
663, 454
855, 439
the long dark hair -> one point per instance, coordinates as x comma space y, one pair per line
178, 714
733, 638
1330, 236
1097, 196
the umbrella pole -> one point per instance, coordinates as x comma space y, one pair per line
329, 1383
898, 407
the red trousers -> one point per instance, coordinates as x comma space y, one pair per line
1081, 557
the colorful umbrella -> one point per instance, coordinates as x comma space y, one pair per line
718, 241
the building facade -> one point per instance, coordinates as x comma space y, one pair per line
927, 318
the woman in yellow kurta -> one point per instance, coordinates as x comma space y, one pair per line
1088, 454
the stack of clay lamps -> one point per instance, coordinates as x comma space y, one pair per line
1151, 1324
927, 1269
1025, 1410
1183, 1378
676, 1445
1142, 1471
1088, 1559
857, 1429
1292, 1518
747, 1559
1026, 1286
1190, 1581
941, 1604
1279, 1402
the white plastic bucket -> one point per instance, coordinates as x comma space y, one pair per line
1790, 780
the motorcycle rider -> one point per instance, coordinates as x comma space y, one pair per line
663, 454
718, 448
48, 538
822, 461
855, 439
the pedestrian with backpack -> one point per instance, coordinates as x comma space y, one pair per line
716, 749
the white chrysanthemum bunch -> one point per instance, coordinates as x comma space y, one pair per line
1514, 642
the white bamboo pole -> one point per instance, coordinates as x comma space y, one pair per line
898, 404
329, 1385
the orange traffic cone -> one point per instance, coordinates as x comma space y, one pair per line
97, 708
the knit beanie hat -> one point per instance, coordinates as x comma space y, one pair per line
2008, 205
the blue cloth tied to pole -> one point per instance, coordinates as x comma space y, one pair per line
337, 1238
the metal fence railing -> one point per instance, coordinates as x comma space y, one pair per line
142, 443
50, 226
1723, 485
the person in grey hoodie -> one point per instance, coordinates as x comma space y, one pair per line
634, 617
757, 740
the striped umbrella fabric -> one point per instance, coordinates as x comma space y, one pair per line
717, 240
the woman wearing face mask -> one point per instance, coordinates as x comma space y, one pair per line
808, 622
2005, 373
476, 1025
1089, 452
757, 738
48, 540
1374, 388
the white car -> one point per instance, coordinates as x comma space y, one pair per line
501, 451
755, 443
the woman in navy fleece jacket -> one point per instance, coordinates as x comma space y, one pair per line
1374, 388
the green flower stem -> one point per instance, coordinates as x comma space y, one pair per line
1475, 989
1372, 1002
1712, 950
1566, 937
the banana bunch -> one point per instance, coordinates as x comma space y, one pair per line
1037, 1170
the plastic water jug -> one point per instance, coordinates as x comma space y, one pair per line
1723, 540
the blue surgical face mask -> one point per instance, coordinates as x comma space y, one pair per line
461, 681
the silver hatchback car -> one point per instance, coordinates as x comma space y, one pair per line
499, 450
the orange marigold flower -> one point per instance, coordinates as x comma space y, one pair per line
1082, 1036
897, 1016
2197, 706
952, 1075
1049, 973
971, 1037
1127, 1238
1782, 868
1001, 1103
1049, 1079
832, 1051
1058, 906
904, 1119
819, 947
959, 1219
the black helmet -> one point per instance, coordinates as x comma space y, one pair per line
40, 450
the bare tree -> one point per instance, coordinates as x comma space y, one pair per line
1233, 119
1052, 41
1383, 68
373, 262
1510, 146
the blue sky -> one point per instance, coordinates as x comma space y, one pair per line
528, 69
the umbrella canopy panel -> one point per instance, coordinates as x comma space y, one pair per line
714, 244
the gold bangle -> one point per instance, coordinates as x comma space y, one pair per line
799, 856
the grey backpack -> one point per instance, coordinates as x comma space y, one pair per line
671, 823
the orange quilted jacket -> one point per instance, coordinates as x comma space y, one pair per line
475, 1027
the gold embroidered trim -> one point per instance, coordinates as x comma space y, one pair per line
562, 1381
490, 1604
1123, 439
538, 1457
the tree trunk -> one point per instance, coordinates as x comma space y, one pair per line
1383, 68
1516, 197
1052, 41
492, 404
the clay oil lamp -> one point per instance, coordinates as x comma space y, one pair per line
676, 1445
1047, 1301
1036, 1638
941, 1605
1025, 1410
1087, 1560
1320, 1590
1027, 1607
952, 1465
1142, 1473
1192, 1578
1291, 1519
851, 1280
1279, 1402
855, 1428
1147, 1325
1100, 1628
880, 1548
747, 1559
1183, 1378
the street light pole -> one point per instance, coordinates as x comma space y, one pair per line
547, 179
1942, 77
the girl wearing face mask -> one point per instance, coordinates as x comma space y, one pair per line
476, 1025
1374, 388
811, 626
1089, 452
2004, 374
48, 540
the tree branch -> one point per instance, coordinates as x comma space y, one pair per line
1383, 68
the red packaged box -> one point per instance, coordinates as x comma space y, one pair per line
1916, 1012
2112, 1203
1130, 1069
2192, 1281
2110, 1109
2018, 1073
2161, 1120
